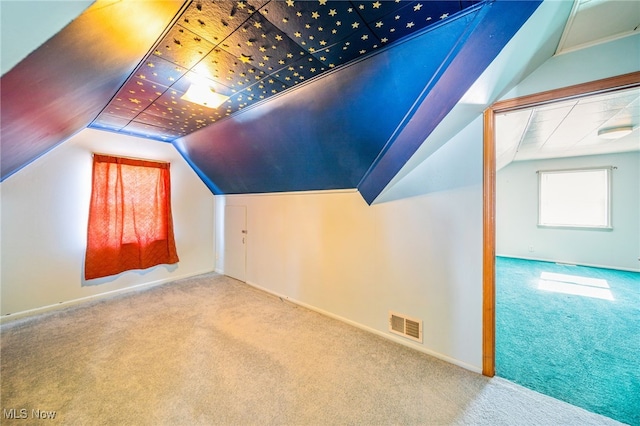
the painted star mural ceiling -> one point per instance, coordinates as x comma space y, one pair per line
252, 50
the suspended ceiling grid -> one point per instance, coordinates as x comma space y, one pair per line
358, 125
252, 50
354, 127
569, 128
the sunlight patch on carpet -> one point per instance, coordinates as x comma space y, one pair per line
576, 285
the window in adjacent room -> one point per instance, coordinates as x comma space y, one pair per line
130, 223
575, 198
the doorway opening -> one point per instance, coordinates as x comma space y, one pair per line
489, 187
552, 279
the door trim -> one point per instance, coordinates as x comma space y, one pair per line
606, 85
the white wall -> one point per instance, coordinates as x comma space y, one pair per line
617, 57
419, 256
44, 223
418, 252
517, 215
28, 24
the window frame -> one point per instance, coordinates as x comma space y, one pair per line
609, 198
118, 209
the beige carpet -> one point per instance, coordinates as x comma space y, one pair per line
212, 350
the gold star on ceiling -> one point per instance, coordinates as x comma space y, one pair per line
290, 32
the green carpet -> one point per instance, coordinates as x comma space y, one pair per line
571, 332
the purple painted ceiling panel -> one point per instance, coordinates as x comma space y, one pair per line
64, 85
321, 94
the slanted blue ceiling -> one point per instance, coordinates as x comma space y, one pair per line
58, 89
358, 125
325, 134
323, 94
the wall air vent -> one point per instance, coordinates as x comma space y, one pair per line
411, 328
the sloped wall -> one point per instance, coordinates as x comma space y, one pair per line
44, 223
617, 57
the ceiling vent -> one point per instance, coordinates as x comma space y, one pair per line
411, 328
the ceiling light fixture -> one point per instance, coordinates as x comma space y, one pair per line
615, 132
204, 95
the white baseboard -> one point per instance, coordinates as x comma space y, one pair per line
61, 305
568, 262
385, 335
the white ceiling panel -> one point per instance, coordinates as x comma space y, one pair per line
597, 21
569, 129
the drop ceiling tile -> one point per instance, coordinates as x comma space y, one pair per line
527, 148
268, 86
509, 130
173, 99
530, 140
260, 44
569, 135
315, 24
154, 120
151, 132
251, 50
595, 109
183, 47
629, 116
373, 11
300, 71
544, 122
193, 124
121, 112
537, 138
409, 18
614, 99
599, 20
124, 100
158, 70
241, 101
185, 82
110, 122
144, 91
359, 43
547, 114
166, 111
172, 107
214, 21
225, 68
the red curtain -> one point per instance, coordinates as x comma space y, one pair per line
130, 224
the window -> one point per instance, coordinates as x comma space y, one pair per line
575, 198
130, 223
